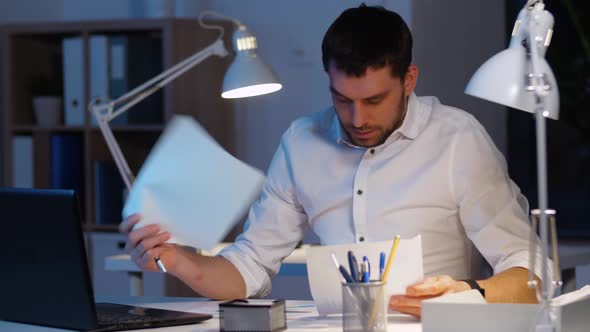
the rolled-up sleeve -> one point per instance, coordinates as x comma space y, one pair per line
493, 211
275, 224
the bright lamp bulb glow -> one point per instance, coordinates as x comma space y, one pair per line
253, 90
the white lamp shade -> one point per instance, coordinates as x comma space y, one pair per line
248, 76
502, 79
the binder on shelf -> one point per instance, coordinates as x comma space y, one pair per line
145, 61
135, 58
108, 193
99, 68
118, 83
22, 161
73, 73
67, 163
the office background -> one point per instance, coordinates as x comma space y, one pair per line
452, 38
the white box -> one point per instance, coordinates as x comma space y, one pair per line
453, 314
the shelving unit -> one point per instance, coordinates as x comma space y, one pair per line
28, 50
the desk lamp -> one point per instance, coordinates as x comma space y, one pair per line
247, 76
520, 77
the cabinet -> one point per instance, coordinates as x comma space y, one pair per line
32, 54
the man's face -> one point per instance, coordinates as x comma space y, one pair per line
372, 106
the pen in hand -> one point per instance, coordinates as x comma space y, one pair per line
160, 265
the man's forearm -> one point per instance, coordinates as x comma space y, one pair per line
211, 276
509, 286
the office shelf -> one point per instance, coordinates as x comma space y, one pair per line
29, 51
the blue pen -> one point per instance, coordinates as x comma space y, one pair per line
366, 270
354, 269
381, 264
366, 259
342, 269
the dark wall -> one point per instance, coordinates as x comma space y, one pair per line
568, 139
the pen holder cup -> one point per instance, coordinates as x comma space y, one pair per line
363, 307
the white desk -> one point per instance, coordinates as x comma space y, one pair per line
293, 265
301, 316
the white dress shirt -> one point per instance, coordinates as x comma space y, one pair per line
439, 175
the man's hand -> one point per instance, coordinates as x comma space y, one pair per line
509, 286
210, 276
147, 243
411, 303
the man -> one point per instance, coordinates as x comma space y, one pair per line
380, 162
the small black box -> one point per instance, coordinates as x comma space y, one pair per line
253, 315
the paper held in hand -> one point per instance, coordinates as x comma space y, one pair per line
192, 187
325, 281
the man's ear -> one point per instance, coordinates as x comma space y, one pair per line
410, 79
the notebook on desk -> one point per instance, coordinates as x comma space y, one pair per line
44, 274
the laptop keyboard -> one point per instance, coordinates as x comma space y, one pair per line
110, 318
124, 317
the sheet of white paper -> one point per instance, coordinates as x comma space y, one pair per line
192, 187
325, 281
571, 297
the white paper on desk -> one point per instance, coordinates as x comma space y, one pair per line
574, 296
325, 281
192, 187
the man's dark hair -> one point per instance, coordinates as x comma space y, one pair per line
366, 37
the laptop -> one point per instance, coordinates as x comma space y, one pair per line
44, 270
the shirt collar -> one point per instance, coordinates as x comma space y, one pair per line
416, 118
337, 132
414, 123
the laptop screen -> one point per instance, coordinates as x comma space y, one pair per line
44, 276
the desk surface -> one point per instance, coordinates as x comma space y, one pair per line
301, 316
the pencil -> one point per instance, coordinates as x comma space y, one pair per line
390, 258
383, 279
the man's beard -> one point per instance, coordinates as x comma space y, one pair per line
402, 108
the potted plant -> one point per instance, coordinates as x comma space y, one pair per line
47, 100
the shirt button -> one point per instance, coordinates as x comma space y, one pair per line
362, 238
372, 151
360, 192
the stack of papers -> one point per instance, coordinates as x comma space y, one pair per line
191, 187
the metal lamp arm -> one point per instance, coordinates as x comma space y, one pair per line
540, 24
541, 147
104, 112
116, 152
